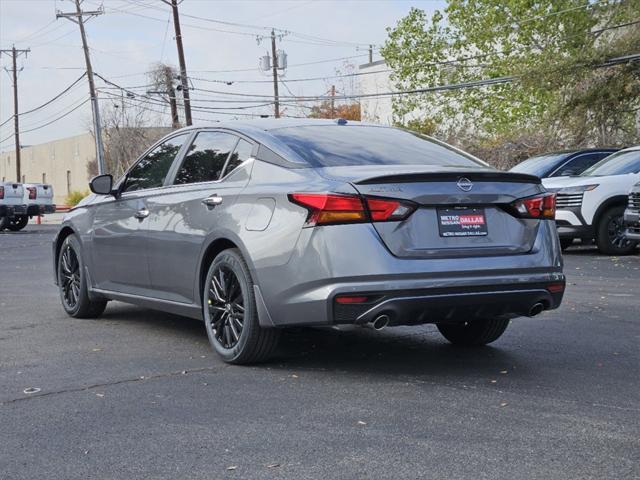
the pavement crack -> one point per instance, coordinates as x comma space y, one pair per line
115, 382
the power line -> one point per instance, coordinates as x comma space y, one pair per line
52, 121
62, 93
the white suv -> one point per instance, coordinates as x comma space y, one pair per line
591, 205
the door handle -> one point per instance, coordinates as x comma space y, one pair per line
142, 214
212, 201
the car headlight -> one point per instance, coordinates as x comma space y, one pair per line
578, 189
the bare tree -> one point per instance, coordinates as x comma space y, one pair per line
128, 130
162, 78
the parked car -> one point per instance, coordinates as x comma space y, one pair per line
563, 164
632, 215
258, 226
591, 206
12, 207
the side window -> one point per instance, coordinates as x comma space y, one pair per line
579, 164
240, 154
206, 157
151, 171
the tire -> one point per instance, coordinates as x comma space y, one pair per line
230, 314
72, 282
4, 221
565, 243
18, 223
610, 233
478, 332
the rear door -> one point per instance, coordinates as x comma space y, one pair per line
12, 194
119, 237
204, 188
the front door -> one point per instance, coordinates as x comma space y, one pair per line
120, 226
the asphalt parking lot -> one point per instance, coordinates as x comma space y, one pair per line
139, 394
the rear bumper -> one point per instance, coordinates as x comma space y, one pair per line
450, 305
12, 210
40, 209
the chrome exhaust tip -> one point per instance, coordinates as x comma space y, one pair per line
380, 322
536, 309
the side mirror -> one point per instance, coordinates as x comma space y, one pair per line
102, 184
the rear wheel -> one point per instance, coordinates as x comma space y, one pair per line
230, 313
72, 282
4, 221
478, 332
610, 237
18, 223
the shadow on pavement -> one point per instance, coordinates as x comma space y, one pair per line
394, 351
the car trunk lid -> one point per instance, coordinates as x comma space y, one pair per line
461, 212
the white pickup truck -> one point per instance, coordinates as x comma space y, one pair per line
18, 202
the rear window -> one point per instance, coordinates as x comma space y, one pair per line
336, 146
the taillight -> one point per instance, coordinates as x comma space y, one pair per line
541, 206
329, 208
32, 192
332, 208
1, 193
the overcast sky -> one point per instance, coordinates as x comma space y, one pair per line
133, 34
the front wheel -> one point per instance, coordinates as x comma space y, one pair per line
230, 313
72, 282
477, 332
18, 223
610, 237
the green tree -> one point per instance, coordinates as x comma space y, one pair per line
553, 48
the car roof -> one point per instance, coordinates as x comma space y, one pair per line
580, 150
268, 124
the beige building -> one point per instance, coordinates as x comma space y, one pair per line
61, 163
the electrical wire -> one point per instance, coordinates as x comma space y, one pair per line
65, 91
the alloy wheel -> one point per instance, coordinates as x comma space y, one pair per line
615, 230
226, 307
70, 277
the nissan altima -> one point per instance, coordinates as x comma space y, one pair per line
258, 226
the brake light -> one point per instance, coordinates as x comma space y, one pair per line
1, 193
555, 287
331, 208
32, 192
540, 206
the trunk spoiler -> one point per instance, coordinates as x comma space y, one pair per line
473, 176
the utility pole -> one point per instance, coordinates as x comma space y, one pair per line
78, 17
184, 79
162, 78
333, 101
370, 53
15, 53
274, 54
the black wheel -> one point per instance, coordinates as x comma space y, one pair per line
478, 332
72, 282
18, 223
230, 313
566, 243
4, 221
610, 237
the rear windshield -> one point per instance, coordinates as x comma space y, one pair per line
540, 165
336, 145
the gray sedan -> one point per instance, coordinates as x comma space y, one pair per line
258, 226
